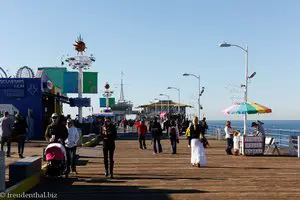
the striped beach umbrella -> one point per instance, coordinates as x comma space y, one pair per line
247, 108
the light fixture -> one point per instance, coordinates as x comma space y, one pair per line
252, 75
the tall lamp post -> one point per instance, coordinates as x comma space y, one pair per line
80, 62
199, 92
224, 44
174, 88
168, 101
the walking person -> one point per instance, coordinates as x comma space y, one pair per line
174, 136
109, 133
197, 150
229, 137
142, 131
58, 132
204, 127
6, 126
156, 131
71, 145
20, 130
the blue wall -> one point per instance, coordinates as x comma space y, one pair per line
24, 94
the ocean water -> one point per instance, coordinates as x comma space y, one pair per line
268, 124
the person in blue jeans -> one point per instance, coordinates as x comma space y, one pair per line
174, 136
156, 131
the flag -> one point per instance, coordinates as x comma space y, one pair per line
90, 82
71, 82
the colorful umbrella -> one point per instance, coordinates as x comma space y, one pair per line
247, 108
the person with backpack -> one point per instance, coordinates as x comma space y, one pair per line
174, 136
156, 131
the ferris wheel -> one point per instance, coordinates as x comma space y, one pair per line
25, 72
2, 73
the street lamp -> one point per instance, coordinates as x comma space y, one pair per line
224, 44
168, 101
199, 94
169, 88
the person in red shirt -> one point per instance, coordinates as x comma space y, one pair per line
142, 131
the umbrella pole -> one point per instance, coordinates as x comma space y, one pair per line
245, 124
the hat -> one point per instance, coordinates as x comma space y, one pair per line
254, 124
69, 120
54, 115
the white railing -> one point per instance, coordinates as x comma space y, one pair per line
294, 147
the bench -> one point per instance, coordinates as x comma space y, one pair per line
271, 144
24, 168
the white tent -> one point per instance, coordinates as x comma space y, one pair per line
9, 108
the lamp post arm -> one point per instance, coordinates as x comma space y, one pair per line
238, 46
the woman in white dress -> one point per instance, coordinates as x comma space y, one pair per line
197, 149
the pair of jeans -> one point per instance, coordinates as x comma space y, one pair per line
71, 158
108, 150
155, 140
21, 144
173, 144
229, 146
7, 140
142, 142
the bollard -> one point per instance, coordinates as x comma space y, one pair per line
2, 171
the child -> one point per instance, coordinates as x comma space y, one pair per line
236, 143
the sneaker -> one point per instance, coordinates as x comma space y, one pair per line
106, 173
111, 176
8, 156
21, 156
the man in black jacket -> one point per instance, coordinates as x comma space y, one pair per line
109, 133
20, 128
156, 131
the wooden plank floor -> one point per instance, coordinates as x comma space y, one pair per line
141, 175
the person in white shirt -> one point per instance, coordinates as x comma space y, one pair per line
71, 145
236, 143
229, 137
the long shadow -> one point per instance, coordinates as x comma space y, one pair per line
165, 179
231, 167
91, 157
65, 189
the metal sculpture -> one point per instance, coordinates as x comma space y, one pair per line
25, 72
3, 73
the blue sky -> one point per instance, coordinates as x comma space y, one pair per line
155, 41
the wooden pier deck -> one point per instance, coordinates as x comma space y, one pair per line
141, 175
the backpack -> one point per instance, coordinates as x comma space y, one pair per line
173, 131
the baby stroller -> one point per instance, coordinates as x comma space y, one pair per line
56, 158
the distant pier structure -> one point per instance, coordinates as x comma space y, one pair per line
122, 107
